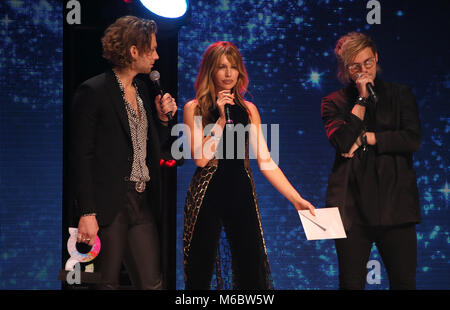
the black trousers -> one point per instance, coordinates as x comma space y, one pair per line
239, 219
131, 238
397, 247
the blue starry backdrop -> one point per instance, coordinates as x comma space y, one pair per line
30, 143
287, 47
288, 51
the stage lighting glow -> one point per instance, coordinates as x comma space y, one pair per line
164, 8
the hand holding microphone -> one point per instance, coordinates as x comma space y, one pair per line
364, 83
167, 105
224, 99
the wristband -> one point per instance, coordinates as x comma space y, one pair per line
89, 214
362, 101
214, 137
364, 142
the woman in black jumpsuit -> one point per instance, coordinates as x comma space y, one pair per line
222, 193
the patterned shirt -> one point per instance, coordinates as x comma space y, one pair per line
138, 130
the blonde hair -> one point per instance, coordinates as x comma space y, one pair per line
347, 47
205, 91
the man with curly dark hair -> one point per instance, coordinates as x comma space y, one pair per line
115, 152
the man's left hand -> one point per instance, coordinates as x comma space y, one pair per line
165, 105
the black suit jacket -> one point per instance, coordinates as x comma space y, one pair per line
398, 135
101, 151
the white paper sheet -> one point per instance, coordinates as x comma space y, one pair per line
327, 224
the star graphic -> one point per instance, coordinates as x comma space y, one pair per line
314, 78
445, 190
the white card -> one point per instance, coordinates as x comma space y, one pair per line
327, 224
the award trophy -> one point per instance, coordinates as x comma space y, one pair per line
72, 272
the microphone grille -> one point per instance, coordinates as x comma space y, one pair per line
154, 76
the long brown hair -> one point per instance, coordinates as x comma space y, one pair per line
205, 90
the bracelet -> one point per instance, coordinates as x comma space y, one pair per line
89, 214
362, 101
360, 138
214, 137
364, 142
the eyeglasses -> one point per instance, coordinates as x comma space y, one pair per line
368, 63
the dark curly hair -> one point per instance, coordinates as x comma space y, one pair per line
124, 33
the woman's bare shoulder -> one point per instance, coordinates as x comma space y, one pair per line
251, 107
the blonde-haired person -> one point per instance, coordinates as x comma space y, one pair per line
373, 181
222, 192
114, 157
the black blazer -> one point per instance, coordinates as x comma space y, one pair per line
101, 151
398, 135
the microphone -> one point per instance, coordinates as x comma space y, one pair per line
370, 89
372, 93
154, 76
228, 119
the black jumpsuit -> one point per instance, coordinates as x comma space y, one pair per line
229, 201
